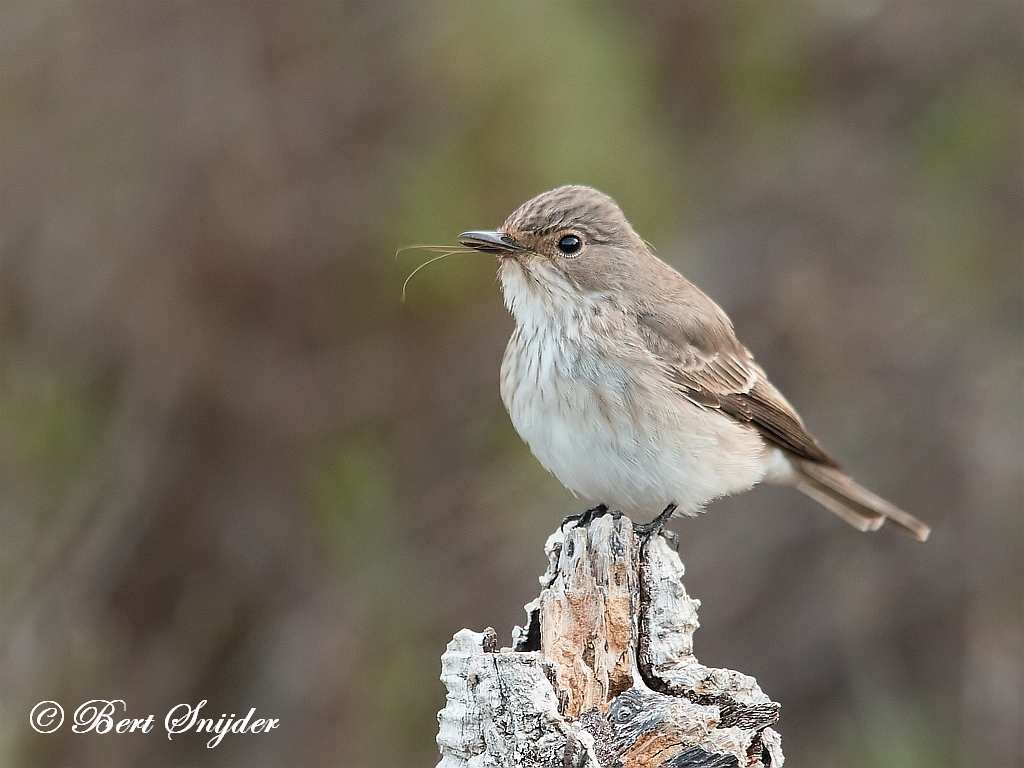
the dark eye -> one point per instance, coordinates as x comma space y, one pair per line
570, 244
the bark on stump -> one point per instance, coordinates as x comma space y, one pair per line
603, 674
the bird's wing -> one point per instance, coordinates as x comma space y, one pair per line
713, 370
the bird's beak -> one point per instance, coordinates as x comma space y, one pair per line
490, 242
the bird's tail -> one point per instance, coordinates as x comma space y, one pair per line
836, 491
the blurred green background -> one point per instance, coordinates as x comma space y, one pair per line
235, 467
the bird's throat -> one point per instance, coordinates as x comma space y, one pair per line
537, 295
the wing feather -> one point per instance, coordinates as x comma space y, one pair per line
729, 380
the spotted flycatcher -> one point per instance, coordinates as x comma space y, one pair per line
629, 384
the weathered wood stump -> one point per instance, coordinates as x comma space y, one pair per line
603, 674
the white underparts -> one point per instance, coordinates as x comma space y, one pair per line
598, 410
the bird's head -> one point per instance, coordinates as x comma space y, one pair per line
572, 240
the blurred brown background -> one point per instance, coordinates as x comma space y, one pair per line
235, 467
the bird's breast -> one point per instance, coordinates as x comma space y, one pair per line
578, 407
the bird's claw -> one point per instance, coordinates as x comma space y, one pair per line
656, 526
588, 516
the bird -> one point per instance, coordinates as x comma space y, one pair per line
630, 385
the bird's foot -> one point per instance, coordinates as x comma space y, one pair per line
653, 528
588, 516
